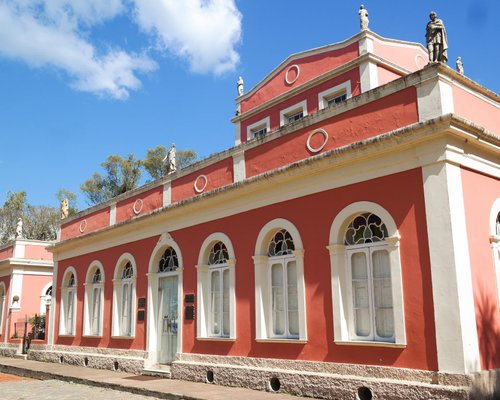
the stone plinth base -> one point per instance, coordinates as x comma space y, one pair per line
322, 380
113, 359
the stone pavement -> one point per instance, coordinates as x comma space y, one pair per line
124, 382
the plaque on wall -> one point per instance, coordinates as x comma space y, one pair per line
189, 313
189, 298
141, 315
142, 302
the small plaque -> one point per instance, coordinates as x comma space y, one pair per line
189, 298
141, 315
142, 302
189, 313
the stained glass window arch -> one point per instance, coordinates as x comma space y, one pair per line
218, 254
128, 271
169, 262
97, 278
364, 229
281, 244
71, 280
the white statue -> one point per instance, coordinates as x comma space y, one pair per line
64, 208
19, 228
239, 85
172, 166
363, 18
460, 65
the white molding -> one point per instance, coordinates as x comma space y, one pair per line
112, 214
434, 98
43, 304
340, 276
3, 312
344, 87
19, 249
153, 306
237, 133
495, 243
399, 151
203, 285
263, 313
301, 105
167, 194
266, 121
366, 45
116, 308
239, 167
16, 289
368, 72
454, 310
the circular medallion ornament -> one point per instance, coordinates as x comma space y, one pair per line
137, 206
292, 74
317, 149
420, 61
200, 183
83, 225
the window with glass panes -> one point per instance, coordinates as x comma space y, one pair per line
370, 274
283, 278
68, 294
127, 288
219, 290
95, 303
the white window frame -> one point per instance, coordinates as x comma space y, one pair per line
325, 96
495, 243
263, 286
341, 281
91, 289
292, 110
3, 293
67, 322
45, 299
253, 128
204, 271
119, 284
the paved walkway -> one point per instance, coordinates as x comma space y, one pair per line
142, 385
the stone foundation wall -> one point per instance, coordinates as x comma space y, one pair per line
101, 358
9, 349
322, 380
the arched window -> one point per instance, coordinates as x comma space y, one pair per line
366, 276
283, 270
45, 298
495, 241
68, 303
219, 290
279, 283
216, 277
94, 300
168, 261
124, 297
370, 273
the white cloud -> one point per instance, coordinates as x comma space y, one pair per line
48, 33
205, 32
58, 34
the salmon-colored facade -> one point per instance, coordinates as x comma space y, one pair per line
351, 236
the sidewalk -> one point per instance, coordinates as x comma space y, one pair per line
144, 385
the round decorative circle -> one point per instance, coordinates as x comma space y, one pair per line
137, 206
83, 225
292, 74
319, 148
198, 185
420, 61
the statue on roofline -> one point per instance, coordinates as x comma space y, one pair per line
239, 86
170, 159
19, 228
363, 18
437, 42
64, 208
460, 65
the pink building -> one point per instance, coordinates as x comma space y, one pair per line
350, 234
25, 289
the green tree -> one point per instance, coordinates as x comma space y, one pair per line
157, 168
121, 175
39, 222
15, 207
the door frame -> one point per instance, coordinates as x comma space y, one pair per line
152, 326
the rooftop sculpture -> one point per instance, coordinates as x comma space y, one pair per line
363, 18
437, 42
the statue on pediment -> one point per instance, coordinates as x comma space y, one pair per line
363, 18
437, 42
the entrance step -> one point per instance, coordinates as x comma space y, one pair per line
158, 370
21, 356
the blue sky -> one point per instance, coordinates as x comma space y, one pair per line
83, 79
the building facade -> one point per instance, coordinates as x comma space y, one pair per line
25, 290
351, 233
